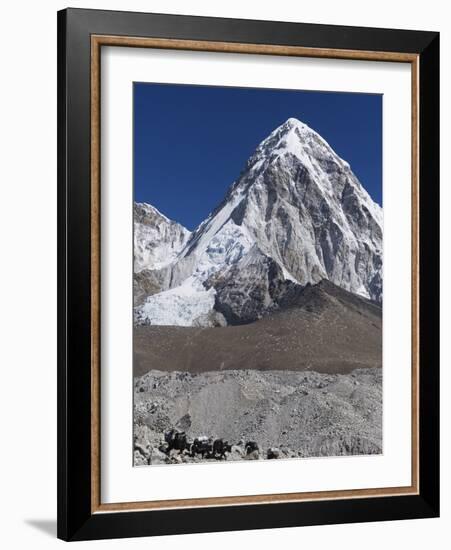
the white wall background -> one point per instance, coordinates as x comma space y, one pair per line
28, 273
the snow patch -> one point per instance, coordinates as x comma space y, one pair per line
225, 248
287, 275
208, 229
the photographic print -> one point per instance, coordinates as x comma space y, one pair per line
258, 239
248, 265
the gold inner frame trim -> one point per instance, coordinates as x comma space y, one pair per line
97, 41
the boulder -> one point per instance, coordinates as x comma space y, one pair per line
139, 459
157, 457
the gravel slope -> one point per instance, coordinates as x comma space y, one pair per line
324, 328
302, 414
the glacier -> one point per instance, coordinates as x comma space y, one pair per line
183, 305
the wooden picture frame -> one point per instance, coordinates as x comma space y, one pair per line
81, 35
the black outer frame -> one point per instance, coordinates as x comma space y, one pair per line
75, 520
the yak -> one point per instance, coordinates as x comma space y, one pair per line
250, 447
220, 448
176, 440
203, 446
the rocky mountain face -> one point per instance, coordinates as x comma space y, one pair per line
157, 243
296, 215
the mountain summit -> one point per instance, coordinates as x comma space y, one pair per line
297, 214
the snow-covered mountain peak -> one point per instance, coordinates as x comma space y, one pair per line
145, 210
296, 138
293, 124
157, 239
296, 214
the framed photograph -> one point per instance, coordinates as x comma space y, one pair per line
248, 274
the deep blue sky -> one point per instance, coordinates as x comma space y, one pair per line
191, 142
